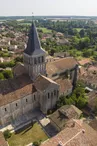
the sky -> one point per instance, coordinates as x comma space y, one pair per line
48, 7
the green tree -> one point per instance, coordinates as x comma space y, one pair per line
82, 32
78, 97
1, 76
36, 143
7, 74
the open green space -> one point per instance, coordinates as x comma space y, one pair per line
45, 30
31, 134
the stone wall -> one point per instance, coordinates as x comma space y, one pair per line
50, 96
11, 111
35, 65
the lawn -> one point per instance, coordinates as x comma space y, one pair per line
45, 30
27, 136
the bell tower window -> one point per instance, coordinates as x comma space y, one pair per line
35, 61
38, 59
42, 59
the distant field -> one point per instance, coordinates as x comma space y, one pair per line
27, 136
25, 23
45, 30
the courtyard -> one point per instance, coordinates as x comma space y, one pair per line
28, 135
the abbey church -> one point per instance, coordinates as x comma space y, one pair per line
37, 84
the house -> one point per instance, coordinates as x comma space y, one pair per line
85, 62
90, 79
92, 100
92, 69
63, 115
76, 133
36, 84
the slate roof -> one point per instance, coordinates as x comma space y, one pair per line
78, 134
41, 83
33, 44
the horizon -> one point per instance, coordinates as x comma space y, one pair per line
49, 16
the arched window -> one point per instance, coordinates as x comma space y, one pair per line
54, 92
35, 61
5, 109
57, 93
34, 98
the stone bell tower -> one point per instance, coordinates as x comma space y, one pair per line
34, 55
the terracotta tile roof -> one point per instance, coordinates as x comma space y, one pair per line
89, 78
14, 89
92, 99
92, 68
84, 61
78, 134
60, 65
93, 124
2, 140
64, 114
65, 85
42, 82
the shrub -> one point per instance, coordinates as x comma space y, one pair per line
1, 76
7, 134
36, 143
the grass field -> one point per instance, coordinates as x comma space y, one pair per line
27, 136
45, 30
